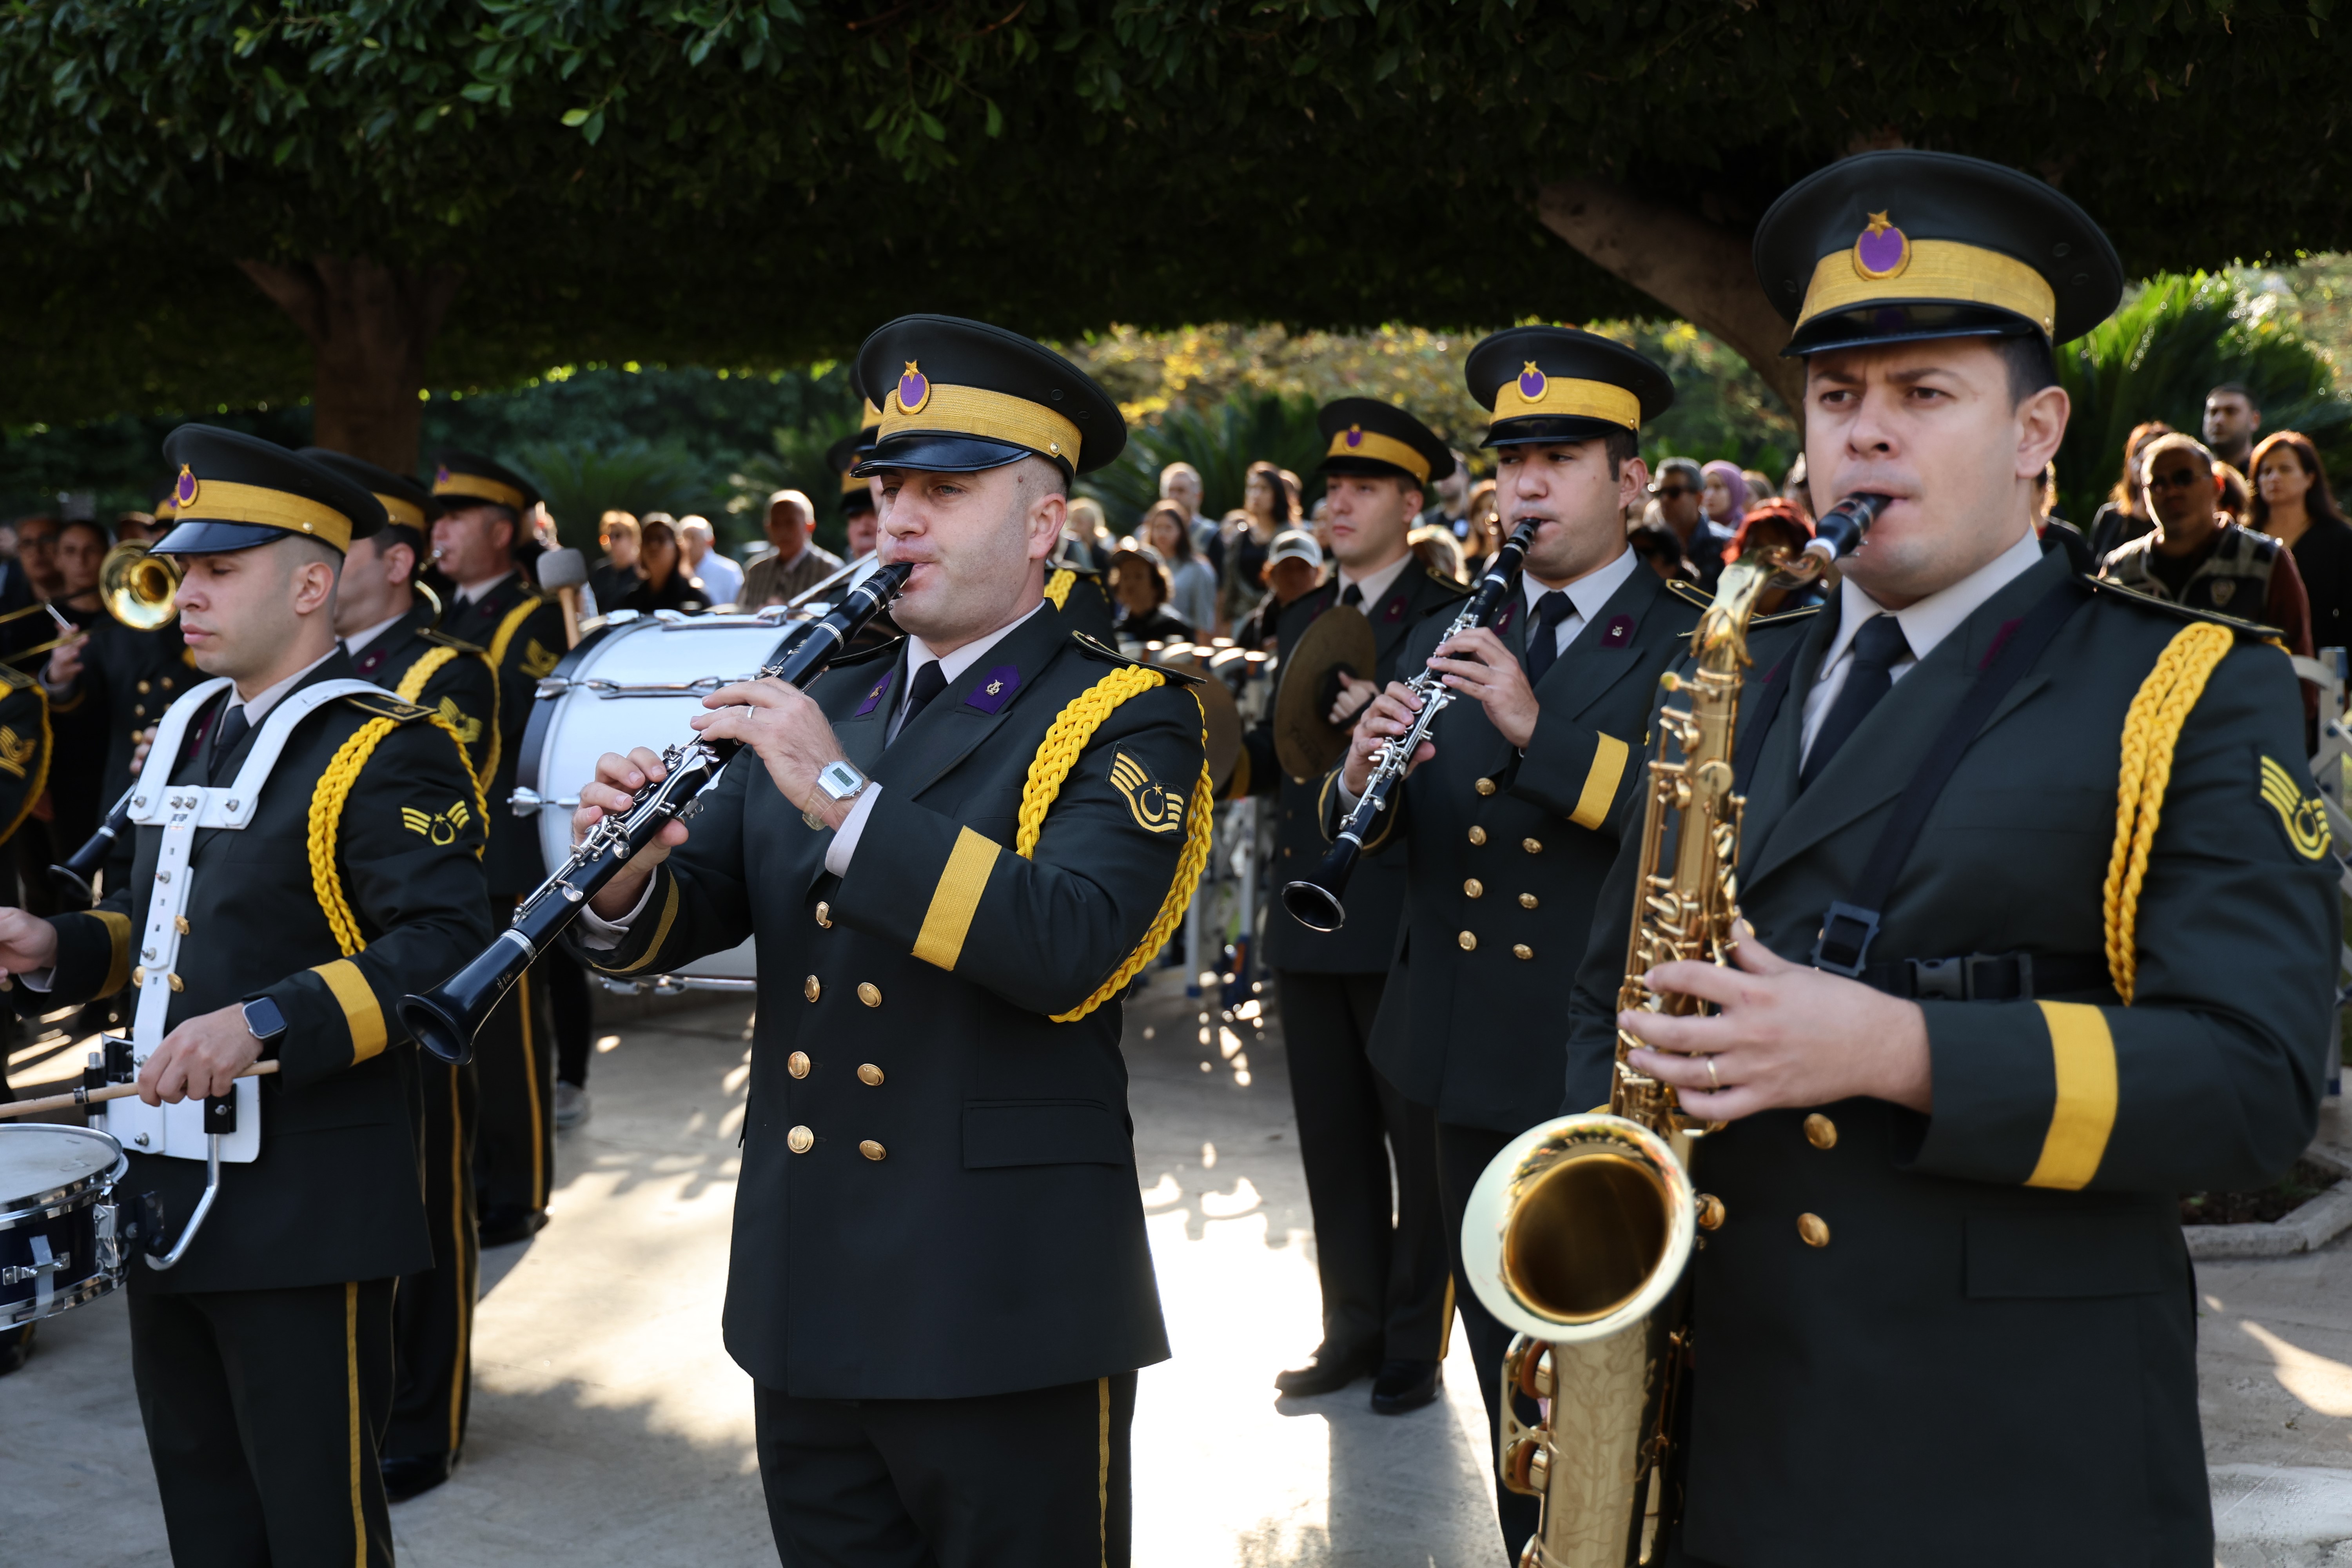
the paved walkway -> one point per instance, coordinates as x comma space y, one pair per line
611, 1428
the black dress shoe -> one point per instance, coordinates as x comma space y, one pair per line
502, 1227
410, 1475
1405, 1385
1326, 1373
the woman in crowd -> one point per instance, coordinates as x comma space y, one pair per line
1486, 528
615, 577
1087, 535
2293, 504
1268, 507
665, 585
1139, 587
2123, 516
1723, 494
1192, 593
2237, 496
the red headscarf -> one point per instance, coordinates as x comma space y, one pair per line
1771, 511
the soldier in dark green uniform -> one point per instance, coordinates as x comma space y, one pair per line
955, 853
278, 910
389, 635
1381, 1259
1512, 820
2036, 947
496, 607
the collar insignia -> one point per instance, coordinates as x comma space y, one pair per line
1619, 632
873, 698
995, 688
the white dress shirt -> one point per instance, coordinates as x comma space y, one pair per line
1925, 624
1585, 597
1375, 584
358, 640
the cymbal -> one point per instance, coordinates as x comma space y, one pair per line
1306, 742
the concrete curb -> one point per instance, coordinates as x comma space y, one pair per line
2307, 1229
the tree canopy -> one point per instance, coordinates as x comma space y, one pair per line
759, 182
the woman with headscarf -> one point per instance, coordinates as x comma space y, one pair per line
1723, 494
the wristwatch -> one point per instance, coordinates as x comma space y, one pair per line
840, 781
264, 1020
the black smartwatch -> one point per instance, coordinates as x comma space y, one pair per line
264, 1020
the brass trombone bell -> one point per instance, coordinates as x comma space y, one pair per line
139, 587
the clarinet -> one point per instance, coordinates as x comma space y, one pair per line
70, 880
446, 1018
1314, 901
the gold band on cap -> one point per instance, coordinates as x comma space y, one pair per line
400, 509
480, 488
873, 415
1381, 449
1562, 398
993, 416
1939, 269
223, 500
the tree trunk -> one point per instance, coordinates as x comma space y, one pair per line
369, 326
1698, 270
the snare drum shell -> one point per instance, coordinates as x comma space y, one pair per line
57, 1193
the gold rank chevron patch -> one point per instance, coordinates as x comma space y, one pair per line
1157, 808
15, 751
441, 827
2305, 819
469, 730
537, 659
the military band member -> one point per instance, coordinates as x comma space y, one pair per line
263, 1357
496, 607
388, 633
954, 853
1381, 1259
1948, 1317
1511, 820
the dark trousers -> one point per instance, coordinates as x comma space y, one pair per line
514, 1150
1463, 1152
1379, 1250
433, 1316
570, 1011
1041, 1479
264, 1412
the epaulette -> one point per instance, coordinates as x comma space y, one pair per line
1459, 589
440, 638
2119, 593
16, 679
384, 705
866, 655
1777, 616
1110, 655
1072, 565
1690, 592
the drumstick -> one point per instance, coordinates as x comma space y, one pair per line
112, 1091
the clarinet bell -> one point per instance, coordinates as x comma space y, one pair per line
445, 1019
1313, 902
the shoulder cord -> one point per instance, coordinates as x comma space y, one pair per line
1057, 587
1057, 754
497, 656
342, 771
40, 782
2151, 729
412, 690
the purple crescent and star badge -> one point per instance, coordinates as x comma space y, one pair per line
914, 390
184, 489
1532, 383
875, 696
441, 475
1881, 250
995, 688
1354, 437
1620, 632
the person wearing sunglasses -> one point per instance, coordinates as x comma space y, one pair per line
1677, 488
2195, 555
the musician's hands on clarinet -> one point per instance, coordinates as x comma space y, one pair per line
1478, 665
789, 731
611, 794
1391, 713
202, 1056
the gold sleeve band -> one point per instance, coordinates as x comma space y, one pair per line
1357, 442
481, 487
1939, 269
1600, 791
1564, 398
661, 927
956, 899
362, 1014
2083, 1054
224, 501
993, 416
118, 943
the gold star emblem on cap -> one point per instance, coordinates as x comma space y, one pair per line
1880, 223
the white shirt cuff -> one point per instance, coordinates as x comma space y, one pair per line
36, 980
846, 836
601, 935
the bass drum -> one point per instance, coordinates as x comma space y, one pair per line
59, 1248
636, 680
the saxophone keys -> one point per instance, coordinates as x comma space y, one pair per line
1711, 1212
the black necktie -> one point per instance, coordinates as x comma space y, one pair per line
928, 682
1352, 595
1543, 638
1876, 647
233, 727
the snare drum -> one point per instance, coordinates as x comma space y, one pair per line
57, 1239
636, 680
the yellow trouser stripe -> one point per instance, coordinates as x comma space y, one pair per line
2084, 1053
1599, 789
1102, 1466
352, 1397
460, 1232
661, 929
956, 899
530, 1081
362, 1014
1445, 1322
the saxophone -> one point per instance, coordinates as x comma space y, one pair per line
1578, 1234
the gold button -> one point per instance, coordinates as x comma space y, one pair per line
824, 915
1814, 1229
872, 1149
1820, 1132
869, 1075
1469, 940
1473, 889
139, 975
1710, 1211
800, 1139
1532, 845
1477, 835
143, 688
870, 993
1521, 950
180, 925
1527, 900
797, 1064
1485, 787
812, 988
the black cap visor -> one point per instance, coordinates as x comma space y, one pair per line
1549, 430
856, 501
212, 536
1904, 322
1345, 465
941, 453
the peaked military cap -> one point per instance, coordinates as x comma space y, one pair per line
1897, 245
869, 424
235, 491
406, 504
958, 396
1560, 383
461, 479
1365, 436
842, 457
